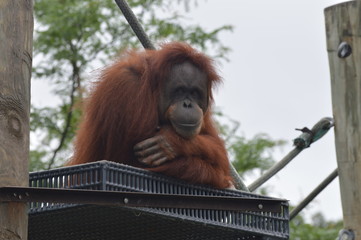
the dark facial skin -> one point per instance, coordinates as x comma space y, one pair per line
184, 100
182, 105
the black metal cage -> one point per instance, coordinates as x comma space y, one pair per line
75, 221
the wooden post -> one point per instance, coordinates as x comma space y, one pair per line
343, 30
16, 33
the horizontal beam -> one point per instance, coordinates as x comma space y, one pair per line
136, 199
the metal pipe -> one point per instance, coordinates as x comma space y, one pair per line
301, 142
238, 183
313, 194
134, 24
274, 169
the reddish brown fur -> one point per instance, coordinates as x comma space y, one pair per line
123, 111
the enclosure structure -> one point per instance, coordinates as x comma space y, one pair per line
70, 221
16, 44
343, 24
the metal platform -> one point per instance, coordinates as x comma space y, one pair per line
216, 220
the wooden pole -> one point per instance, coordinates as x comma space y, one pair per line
16, 33
343, 30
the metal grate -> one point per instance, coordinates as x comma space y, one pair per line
70, 221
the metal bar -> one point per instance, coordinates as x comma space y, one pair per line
313, 194
238, 183
136, 199
134, 24
301, 142
274, 169
310, 136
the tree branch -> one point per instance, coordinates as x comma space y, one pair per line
75, 87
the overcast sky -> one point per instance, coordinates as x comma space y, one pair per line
277, 80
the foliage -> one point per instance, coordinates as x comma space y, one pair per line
246, 154
254, 153
319, 229
71, 38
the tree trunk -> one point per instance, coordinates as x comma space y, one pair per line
343, 30
16, 42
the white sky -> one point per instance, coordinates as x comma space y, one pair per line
277, 80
